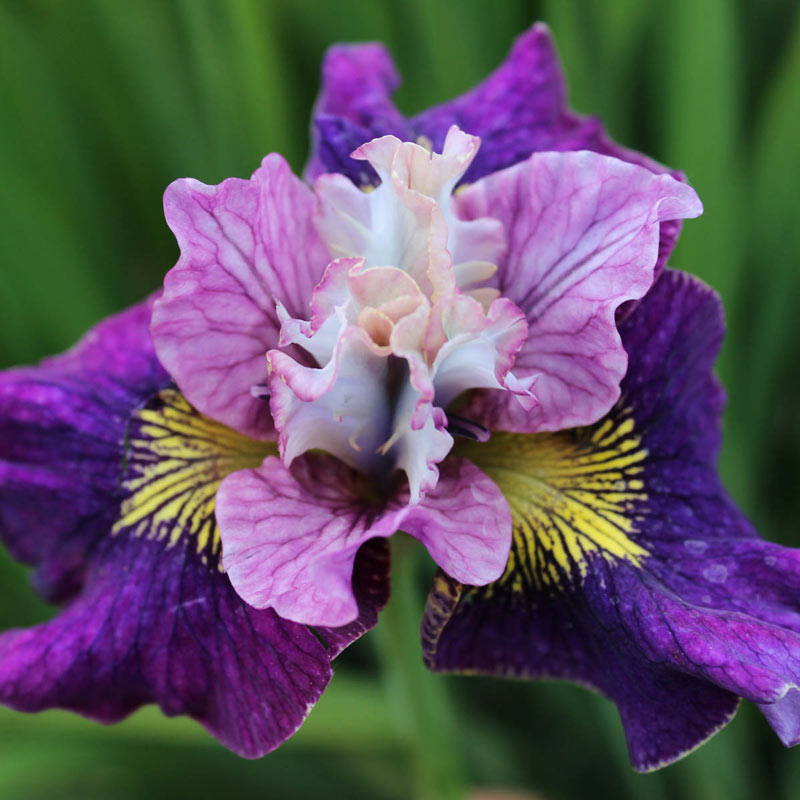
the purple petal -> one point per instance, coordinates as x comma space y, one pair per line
107, 486
578, 636
518, 110
334, 138
631, 569
583, 233
157, 625
354, 106
290, 537
245, 244
521, 108
61, 424
784, 717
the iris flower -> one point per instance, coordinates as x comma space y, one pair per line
460, 327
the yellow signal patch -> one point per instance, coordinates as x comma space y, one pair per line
572, 496
175, 460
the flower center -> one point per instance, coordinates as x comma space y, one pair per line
399, 325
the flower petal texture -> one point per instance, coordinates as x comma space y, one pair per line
784, 717
631, 571
520, 109
582, 233
290, 537
244, 246
398, 326
108, 479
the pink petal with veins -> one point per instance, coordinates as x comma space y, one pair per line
290, 537
245, 245
583, 236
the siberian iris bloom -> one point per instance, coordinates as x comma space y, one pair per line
206, 482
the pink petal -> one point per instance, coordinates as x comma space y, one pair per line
290, 538
465, 523
583, 236
245, 244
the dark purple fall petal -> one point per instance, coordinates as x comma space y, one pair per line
156, 624
61, 425
107, 485
631, 570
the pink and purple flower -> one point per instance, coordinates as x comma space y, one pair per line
462, 329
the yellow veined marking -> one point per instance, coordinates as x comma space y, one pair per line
572, 496
175, 460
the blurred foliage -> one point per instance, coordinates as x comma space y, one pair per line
104, 102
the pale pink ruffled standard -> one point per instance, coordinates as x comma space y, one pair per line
351, 321
396, 330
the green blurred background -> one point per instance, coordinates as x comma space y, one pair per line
104, 102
